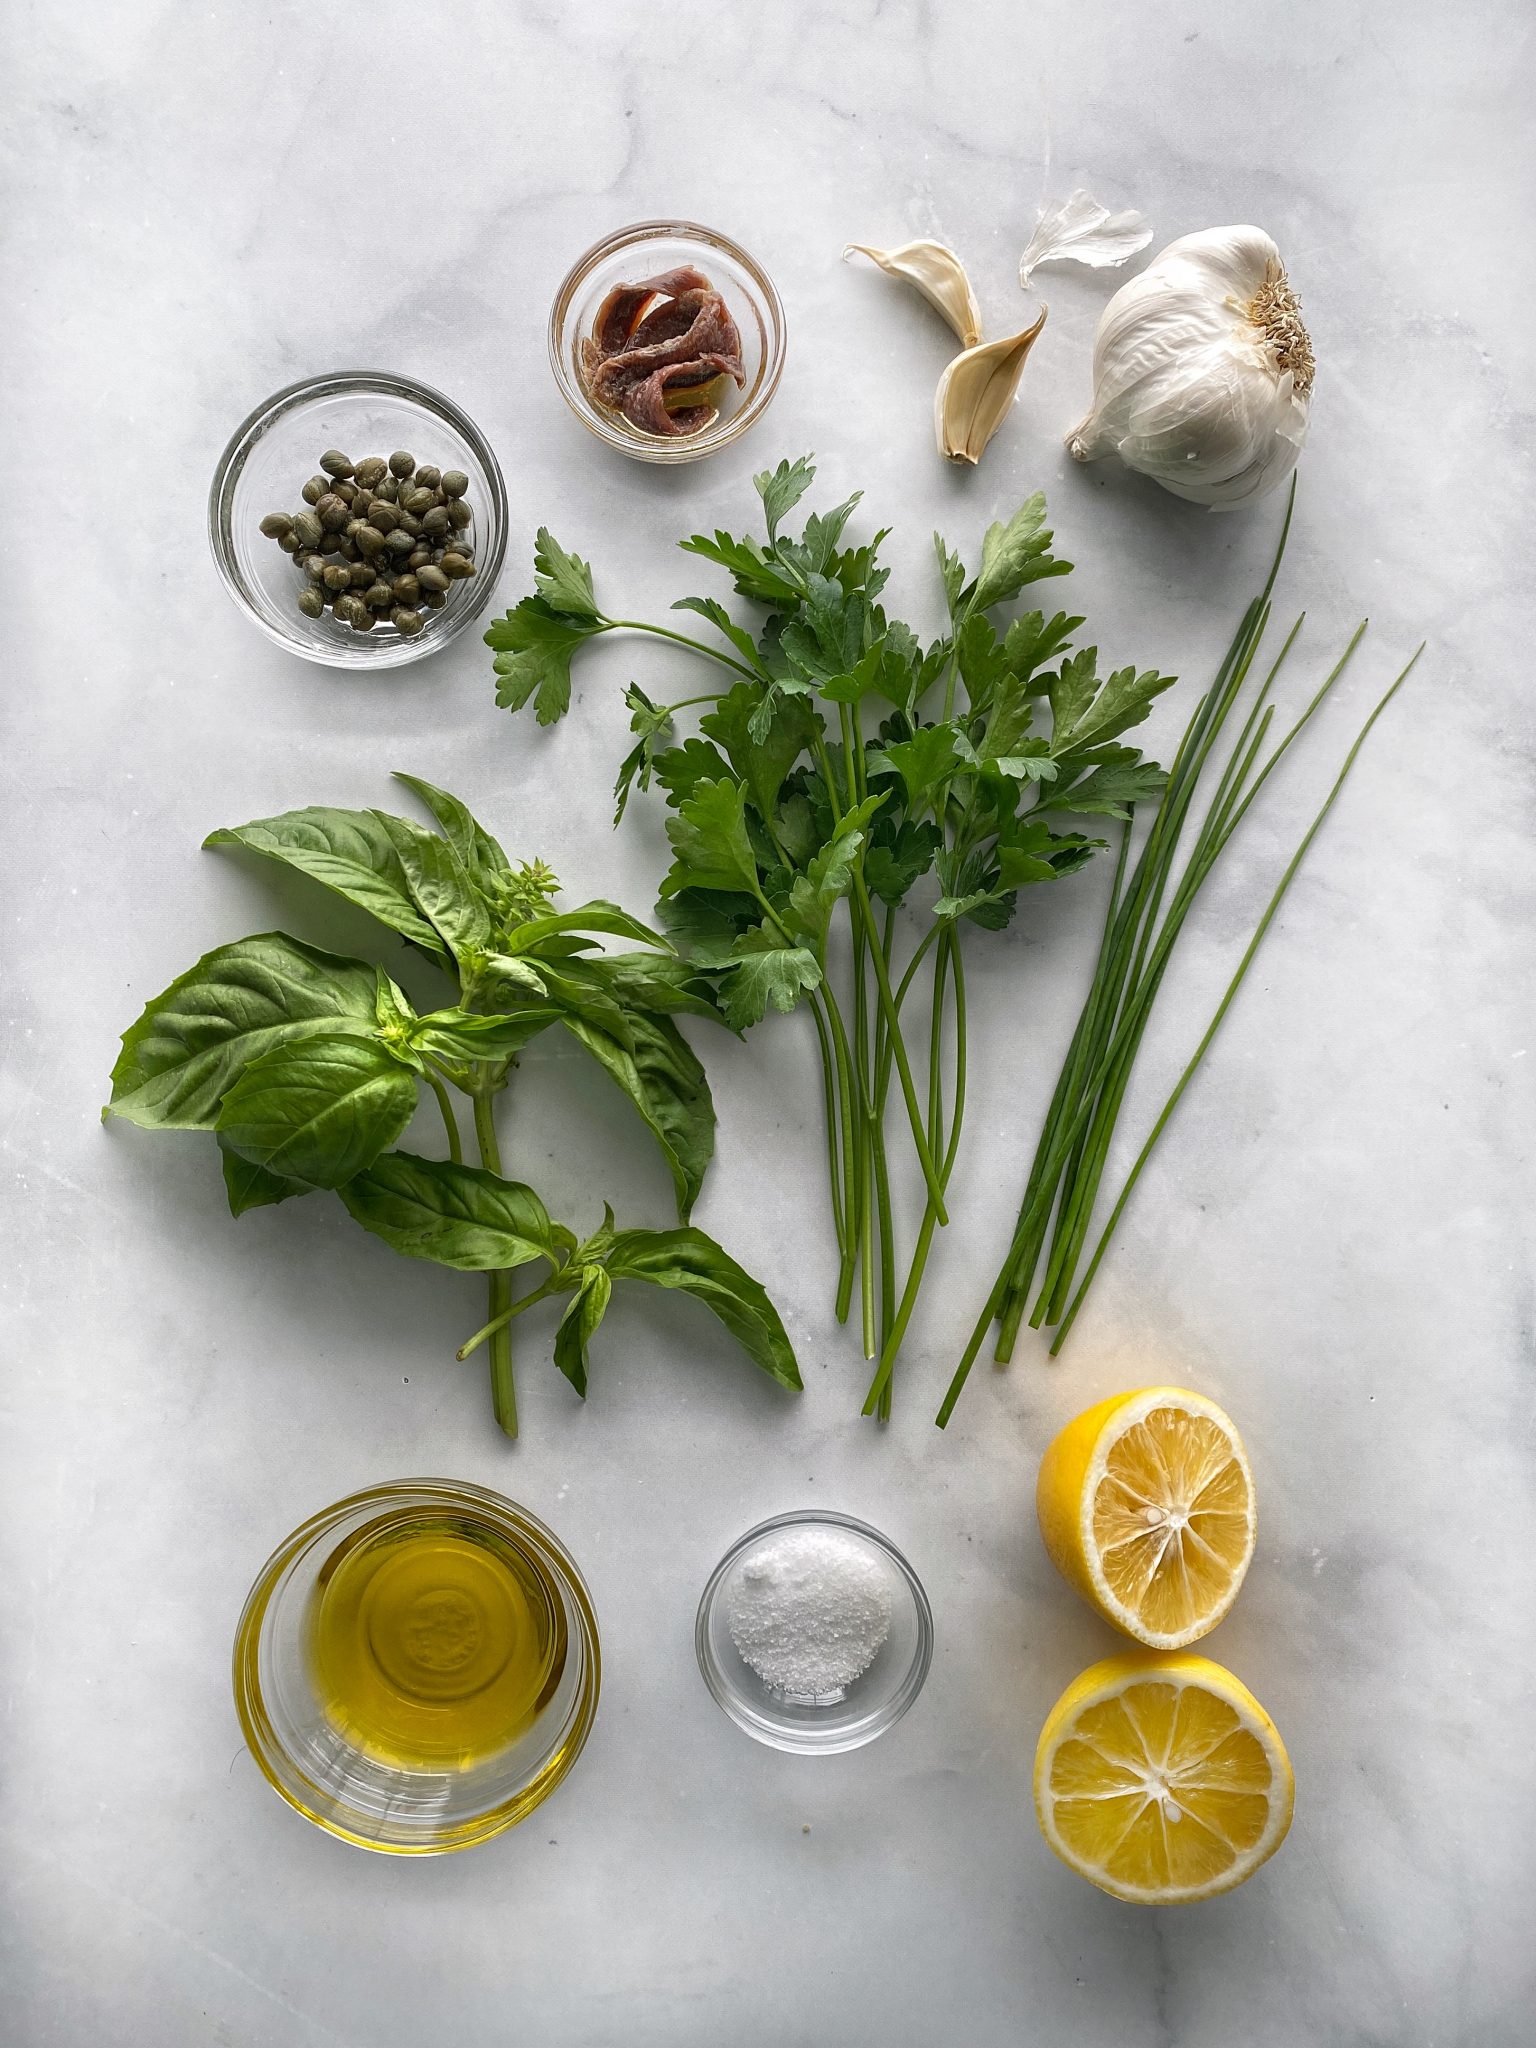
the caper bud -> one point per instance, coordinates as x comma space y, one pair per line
418, 558
347, 549
336, 575
416, 499
332, 512
432, 579
309, 529
400, 544
370, 471
407, 621
311, 603
406, 589
435, 598
401, 464
376, 592
429, 476
289, 543
276, 524
455, 565
362, 620
334, 463
455, 483
437, 520
313, 567
384, 517
408, 524
386, 491
459, 514
315, 489
360, 574
461, 547
369, 540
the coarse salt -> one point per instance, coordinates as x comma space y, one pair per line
809, 1610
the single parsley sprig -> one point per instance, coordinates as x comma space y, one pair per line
842, 765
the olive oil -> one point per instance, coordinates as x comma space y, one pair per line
433, 1640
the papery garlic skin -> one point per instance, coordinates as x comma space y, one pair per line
1202, 371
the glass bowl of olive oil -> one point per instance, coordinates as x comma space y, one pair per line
417, 1667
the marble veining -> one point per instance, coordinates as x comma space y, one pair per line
203, 203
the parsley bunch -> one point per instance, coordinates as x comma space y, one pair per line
842, 768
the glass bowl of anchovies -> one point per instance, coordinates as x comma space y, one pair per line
667, 340
359, 518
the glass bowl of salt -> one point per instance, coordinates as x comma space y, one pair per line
814, 1633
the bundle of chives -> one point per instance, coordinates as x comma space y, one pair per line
1138, 940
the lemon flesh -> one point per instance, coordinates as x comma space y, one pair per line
1161, 1779
1146, 1505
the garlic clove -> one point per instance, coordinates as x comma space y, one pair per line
1080, 230
977, 390
938, 274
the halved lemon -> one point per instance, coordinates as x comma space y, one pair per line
1146, 1506
1161, 1779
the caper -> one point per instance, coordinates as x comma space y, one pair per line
276, 524
432, 579
462, 547
406, 589
429, 476
418, 558
369, 471
369, 539
332, 512
459, 514
401, 464
334, 463
410, 524
360, 574
407, 621
377, 596
387, 490
400, 544
416, 499
455, 483
289, 543
437, 520
309, 529
435, 598
347, 549
311, 603
313, 567
315, 489
384, 517
455, 565
336, 575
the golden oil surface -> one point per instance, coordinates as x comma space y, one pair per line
434, 1640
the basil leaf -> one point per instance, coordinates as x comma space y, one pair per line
250, 1186
596, 916
581, 1318
663, 1079
236, 1004
460, 1216
660, 982
318, 1110
693, 1263
459, 1034
481, 854
348, 852
441, 885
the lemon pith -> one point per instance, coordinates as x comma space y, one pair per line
1160, 1778
1146, 1506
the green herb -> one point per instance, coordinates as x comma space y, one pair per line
841, 765
1140, 932
308, 1067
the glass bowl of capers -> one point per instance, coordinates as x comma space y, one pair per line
360, 519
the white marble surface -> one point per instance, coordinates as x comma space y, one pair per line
1335, 1239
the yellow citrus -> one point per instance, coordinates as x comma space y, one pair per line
1146, 1505
1161, 1779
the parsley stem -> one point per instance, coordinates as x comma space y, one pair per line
503, 1388
898, 1045
1222, 1007
683, 640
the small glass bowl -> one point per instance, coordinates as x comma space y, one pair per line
644, 250
337, 1785
275, 452
873, 1702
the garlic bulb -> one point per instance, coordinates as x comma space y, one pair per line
977, 390
1202, 371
